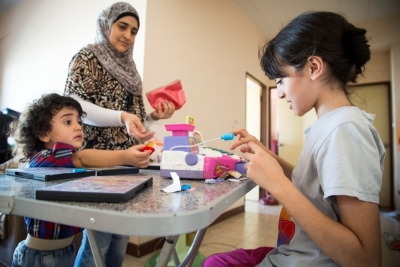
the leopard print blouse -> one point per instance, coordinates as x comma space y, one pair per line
88, 79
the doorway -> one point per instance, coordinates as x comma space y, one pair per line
256, 119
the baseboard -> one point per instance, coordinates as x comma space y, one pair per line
140, 250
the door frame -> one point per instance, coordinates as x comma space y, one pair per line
270, 118
264, 103
264, 134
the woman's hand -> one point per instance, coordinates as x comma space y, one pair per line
164, 110
135, 128
136, 157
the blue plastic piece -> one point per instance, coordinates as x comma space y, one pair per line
79, 170
227, 136
240, 167
185, 187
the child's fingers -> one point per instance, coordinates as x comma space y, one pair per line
143, 164
139, 147
253, 146
239, 143
248, 156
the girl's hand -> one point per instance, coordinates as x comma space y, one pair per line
134, 156
164, 110
263, 168
244, 138
135, 128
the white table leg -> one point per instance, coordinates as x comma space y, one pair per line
98, 257
194, 248
167, 250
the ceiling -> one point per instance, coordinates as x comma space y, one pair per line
271, 15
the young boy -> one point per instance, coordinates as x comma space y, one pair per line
49, 134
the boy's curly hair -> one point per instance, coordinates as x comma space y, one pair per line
36, 121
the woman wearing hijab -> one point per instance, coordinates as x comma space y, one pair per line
103, 78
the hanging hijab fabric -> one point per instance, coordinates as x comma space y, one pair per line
119, 65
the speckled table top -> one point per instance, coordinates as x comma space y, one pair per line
151, 213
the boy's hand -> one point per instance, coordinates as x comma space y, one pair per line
134, 156
149, 148
135, 127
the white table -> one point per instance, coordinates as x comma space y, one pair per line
151, 213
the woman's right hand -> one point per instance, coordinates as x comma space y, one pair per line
136, 157
135, 128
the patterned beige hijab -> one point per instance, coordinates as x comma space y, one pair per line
119, 65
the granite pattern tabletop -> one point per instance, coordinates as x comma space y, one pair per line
201, 204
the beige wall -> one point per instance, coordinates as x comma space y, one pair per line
383, 33
378, 68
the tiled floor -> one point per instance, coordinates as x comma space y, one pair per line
257, 226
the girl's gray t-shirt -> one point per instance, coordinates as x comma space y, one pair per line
342, 155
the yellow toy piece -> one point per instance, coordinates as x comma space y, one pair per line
190, 120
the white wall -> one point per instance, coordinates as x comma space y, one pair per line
38, 39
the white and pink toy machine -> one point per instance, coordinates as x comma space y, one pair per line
191, 159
